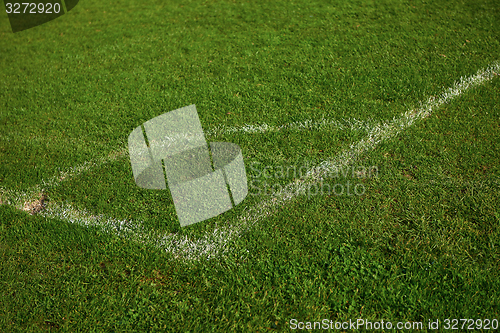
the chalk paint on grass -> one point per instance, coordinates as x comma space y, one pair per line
379, 133
216, 242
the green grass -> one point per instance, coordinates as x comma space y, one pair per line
421, 243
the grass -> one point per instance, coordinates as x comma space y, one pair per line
420, 244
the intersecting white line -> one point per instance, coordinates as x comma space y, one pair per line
215, 243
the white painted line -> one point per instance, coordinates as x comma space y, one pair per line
216, 242
353, 124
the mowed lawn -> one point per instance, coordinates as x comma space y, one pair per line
415, 242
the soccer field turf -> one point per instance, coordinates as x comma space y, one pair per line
370, 133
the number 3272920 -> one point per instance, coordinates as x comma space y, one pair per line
32, 8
